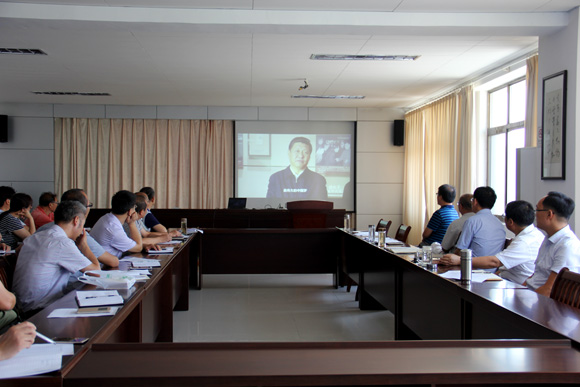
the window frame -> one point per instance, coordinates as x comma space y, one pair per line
502, 129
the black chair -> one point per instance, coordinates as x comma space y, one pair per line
566, 288
384, 225
403, 233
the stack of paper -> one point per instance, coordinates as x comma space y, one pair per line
164, 250
38, 359
142, 263
403, 249
98, 298
193, 230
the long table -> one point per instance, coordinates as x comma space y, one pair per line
429, 307
542, 345
329, 364
145, 317
267, 251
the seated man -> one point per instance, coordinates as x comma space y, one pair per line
48, 258
561, 247
516, 262
16, 339
148, 237
442, 218
150, 221
483, 233
108, 230
454, 229
6, 193
7, 304
297, 181
44, 213
80, 196
12, 228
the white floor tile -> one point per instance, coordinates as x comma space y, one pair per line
282, 308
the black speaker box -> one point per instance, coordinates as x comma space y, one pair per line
3, 128
399, 133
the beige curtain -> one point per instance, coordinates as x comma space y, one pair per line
439, 149
531, 122
188, 162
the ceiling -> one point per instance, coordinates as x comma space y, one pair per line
256, 52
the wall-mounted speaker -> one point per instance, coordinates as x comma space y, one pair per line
399, 133
3, 128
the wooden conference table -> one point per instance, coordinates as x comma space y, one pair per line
145, 317
543, 335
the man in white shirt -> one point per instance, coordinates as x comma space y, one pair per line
454, 229
48, 258
561, 247
516, 262
108, 230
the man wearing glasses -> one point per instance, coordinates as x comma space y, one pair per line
561, 247
81, 196
108, 230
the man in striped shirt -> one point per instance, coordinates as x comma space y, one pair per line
442, 218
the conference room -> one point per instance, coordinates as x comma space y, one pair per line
166, 96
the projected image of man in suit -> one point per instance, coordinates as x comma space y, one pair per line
297, 181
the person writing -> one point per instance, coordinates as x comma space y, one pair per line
516, 262
297, 181
16, 339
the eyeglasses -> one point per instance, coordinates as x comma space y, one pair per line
90, 205
544, 209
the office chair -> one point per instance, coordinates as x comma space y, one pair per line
384, 226
403, 233
566, 288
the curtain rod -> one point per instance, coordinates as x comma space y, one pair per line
475, 80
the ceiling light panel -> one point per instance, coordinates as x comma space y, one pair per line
364, 57
330, 96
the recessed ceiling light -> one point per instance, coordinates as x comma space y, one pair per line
85, 94
364, 57
22, 51
330, 96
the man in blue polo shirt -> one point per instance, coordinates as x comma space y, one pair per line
442, 218
483, 233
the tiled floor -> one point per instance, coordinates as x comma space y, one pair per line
285, 308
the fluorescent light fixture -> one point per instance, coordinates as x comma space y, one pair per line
84, 94
364, 57
330, 96
21, 51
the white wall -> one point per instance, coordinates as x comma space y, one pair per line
27, 160
557, 52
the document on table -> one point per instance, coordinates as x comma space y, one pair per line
72, 313
142, 262
193, 230
98, 298
38, 359
403, 249
164, 250
476, 276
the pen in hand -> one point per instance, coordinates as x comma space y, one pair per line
43, 337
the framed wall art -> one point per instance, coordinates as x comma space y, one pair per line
554, 127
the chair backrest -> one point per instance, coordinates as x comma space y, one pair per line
403, 233
566, 288
383, 225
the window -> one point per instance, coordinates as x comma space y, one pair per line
505, 133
